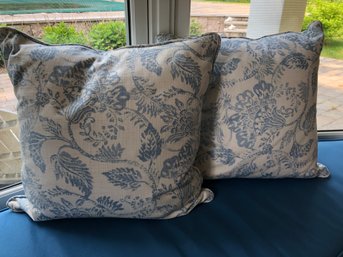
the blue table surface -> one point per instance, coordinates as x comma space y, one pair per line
248, 217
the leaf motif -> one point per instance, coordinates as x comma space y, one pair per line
173, 91
148, 59
299, 151
125, 178
267, 119
187, 69
136, 118
148, 105
107, 202
229, 67
65, 76
74, 172
246, 139
58, 191
295, 61
250, 70
310, 119
223, 155
144, 85
66, 203
287, 139
110, 153
59, 76
16, 74
246, 169
34, 189
151, 144
51, 126
175, 165
180, 105
304, 92
230, 46
144, 94
36, 141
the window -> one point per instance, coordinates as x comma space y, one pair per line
144, 20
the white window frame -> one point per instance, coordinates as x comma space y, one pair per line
8, 192
274, 16
148, 18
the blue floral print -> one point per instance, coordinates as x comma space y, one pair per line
259, 115
110, 134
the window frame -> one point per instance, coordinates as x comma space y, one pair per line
146, 19
8, 192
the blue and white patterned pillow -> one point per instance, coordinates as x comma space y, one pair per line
259, 114
109, 134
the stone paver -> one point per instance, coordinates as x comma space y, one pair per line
330, 94
215, 8
7, 98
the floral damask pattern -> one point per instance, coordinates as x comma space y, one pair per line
259, 114
109, 134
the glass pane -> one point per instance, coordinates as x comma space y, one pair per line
85, 20
230, 18
330, 93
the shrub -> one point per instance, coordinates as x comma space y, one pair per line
330, 13
63, 33
107, 35
195, 28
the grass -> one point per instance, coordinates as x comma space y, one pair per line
333, 49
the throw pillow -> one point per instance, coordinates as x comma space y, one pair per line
109, 134
259, 114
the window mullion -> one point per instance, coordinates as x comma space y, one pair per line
137, 19
148, 18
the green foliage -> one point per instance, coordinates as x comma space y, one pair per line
107, 35
333, 49
63, 33
330, 13
195, 28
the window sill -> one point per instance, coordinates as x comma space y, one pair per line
327, 135
8, 192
